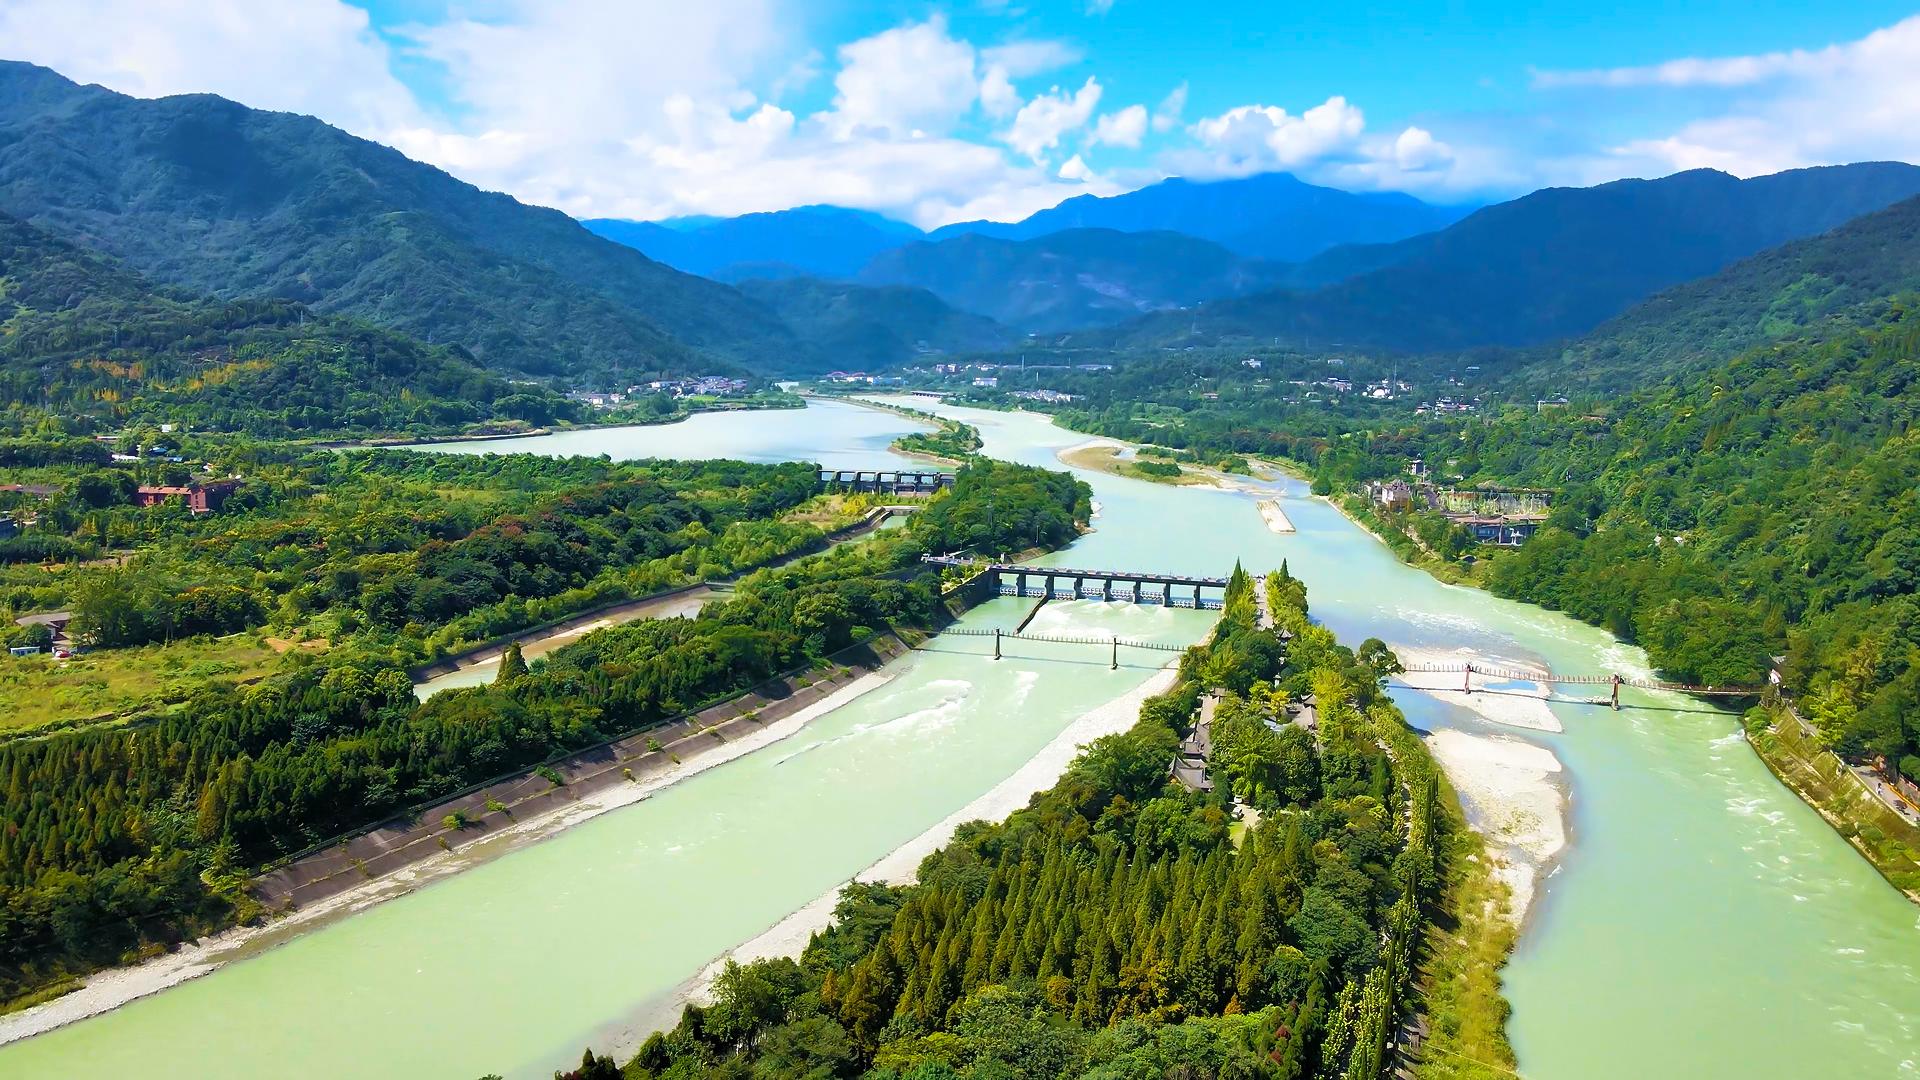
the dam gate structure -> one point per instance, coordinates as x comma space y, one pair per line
1069, 583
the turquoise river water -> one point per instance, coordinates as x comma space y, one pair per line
1703, 922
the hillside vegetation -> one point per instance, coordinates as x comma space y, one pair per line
201, 192
83, 336
1552, 264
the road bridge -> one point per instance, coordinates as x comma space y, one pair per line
1070, 583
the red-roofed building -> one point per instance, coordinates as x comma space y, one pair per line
201, 498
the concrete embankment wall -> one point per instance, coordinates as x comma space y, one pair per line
420, 834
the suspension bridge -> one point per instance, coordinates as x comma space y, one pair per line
1114, 643
1468, 669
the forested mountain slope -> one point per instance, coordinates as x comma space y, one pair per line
1552, 264
1837, 277
202, 192
84, 336
1267, 216
1765, 506
806, 241
1073, 279
859, 326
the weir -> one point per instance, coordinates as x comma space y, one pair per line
1065, 583
884, 481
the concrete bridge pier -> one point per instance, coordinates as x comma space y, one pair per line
1196, 598
1020, 585
1106, 590
1136, 591
1049, 586
1166, 596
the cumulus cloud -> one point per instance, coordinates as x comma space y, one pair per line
905, 81
1040, 123
1074, 168
1416, 150
1847, 102
318, 57
1125, 128
1167, 114
1256, 138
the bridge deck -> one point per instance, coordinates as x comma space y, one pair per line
1146, 576
1520, 675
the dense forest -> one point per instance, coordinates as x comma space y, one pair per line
1121, 925
200, 192
121, 838
84, 338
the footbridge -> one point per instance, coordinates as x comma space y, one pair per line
884, 481
1115, 644
1468, 669
1069, 583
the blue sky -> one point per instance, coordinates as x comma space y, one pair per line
940, 111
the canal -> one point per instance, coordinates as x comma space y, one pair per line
1703, 922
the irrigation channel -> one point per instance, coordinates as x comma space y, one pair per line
1702, 922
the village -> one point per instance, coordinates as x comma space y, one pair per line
1505, 517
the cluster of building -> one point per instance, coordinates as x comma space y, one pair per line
702, 385
861, 378
1052, 397
1503, 516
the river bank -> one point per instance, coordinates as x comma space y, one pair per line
507, 831
789, 936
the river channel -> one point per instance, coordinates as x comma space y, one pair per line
1704, 923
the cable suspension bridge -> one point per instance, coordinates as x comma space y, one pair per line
1468, 669
1115, 643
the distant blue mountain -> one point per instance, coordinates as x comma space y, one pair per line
806, 241
1270, 216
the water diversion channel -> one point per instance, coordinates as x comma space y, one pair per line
1704, 923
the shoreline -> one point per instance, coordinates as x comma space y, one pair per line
1512, 791
106, 990
790, 935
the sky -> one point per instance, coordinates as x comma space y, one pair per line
940, 112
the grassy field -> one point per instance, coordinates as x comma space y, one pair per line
42, 692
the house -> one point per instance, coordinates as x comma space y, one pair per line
1250, 362
988, 381
200, 497
8, 526
1391, 494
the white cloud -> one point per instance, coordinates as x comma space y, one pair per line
1099, 7
1416, 150
1849, 102
1167, 114
1075, 169
318, 57
907, 80
1256, 138
1124, 128
1040, 123
1017, 60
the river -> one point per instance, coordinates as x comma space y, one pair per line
1703, 924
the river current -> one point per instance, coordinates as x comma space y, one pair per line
1703, 923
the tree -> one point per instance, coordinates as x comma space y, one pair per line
512, 665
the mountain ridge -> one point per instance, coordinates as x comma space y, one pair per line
207, 193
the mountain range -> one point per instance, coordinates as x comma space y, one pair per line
201, 192
1548, 265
